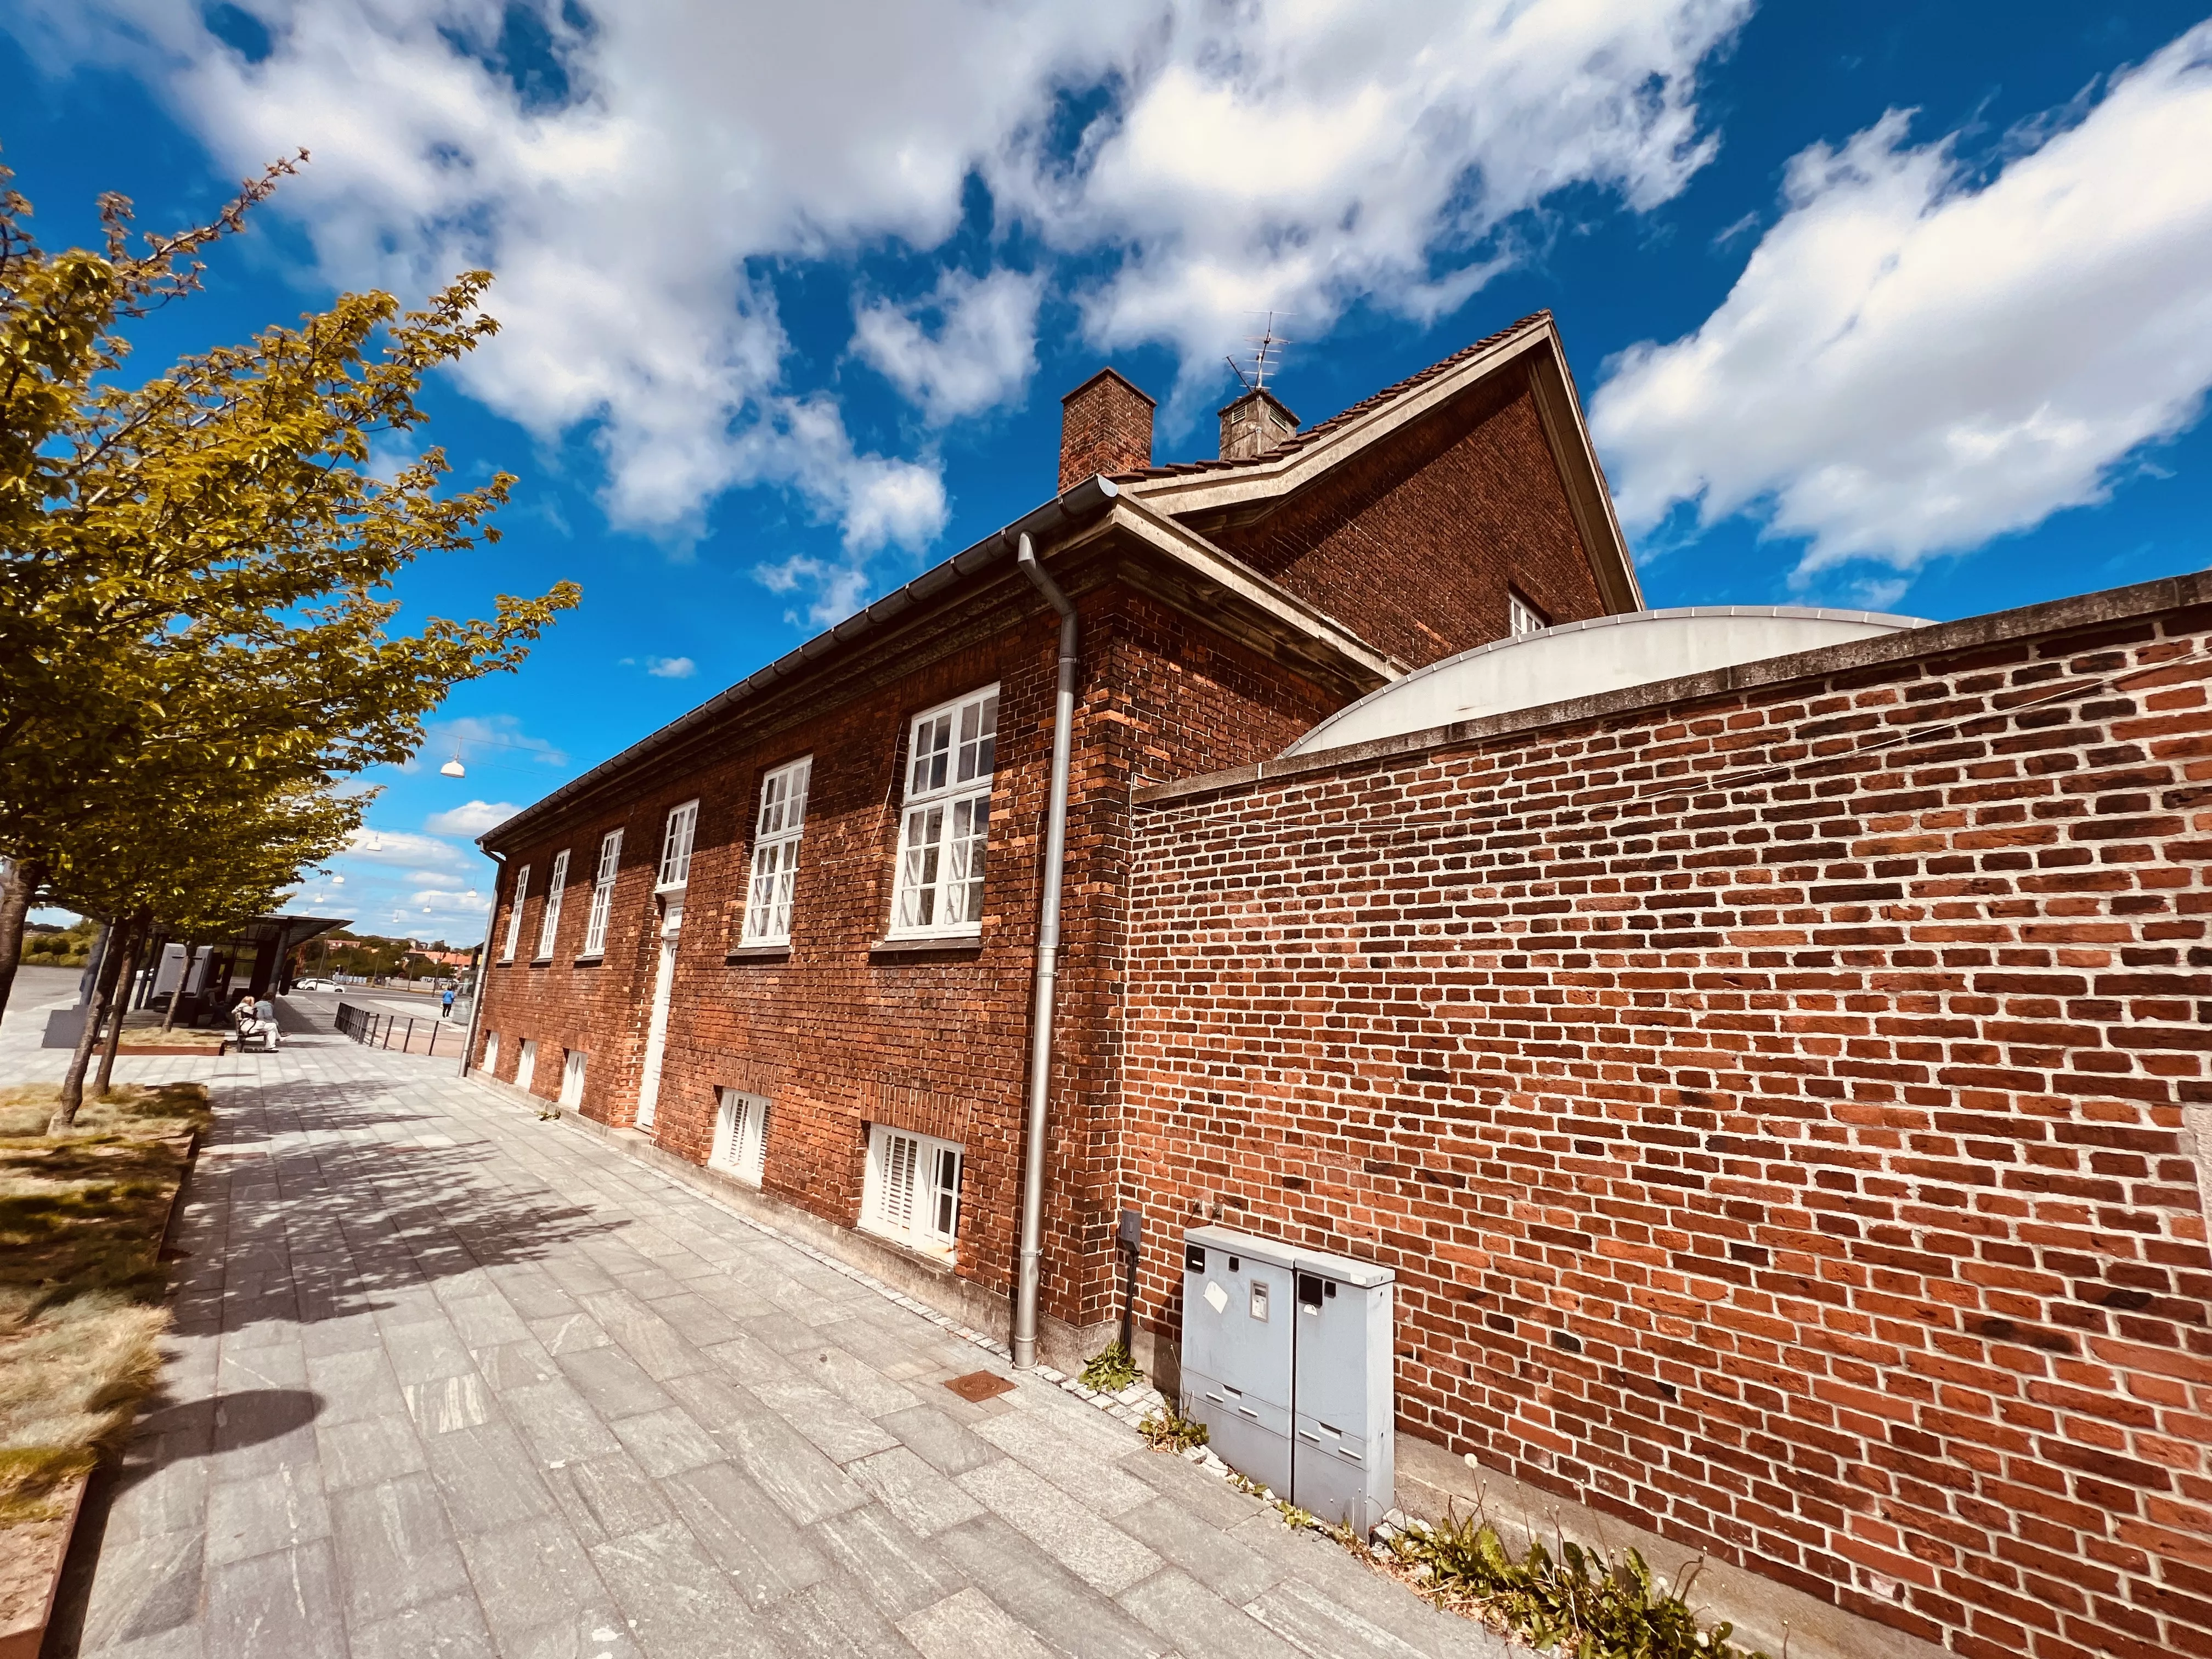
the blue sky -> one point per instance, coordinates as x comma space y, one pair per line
1901, 305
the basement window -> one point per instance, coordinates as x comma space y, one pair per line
911, 1193
1521, 616
775, 852
514, 914
525, 1068
491, 1053
676, 846
741, 1136
572, 1077
556, 884
603, 893
939, 889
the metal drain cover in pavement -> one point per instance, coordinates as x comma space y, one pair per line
978, 1385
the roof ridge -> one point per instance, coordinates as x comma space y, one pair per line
1373, 401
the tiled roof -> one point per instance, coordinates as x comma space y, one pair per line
1365, 405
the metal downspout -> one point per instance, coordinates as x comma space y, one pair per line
1047, 970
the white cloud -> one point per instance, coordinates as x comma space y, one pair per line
475, 734
981, 355
397, 846
1913, 361
1296, 157
671, 668
472, 820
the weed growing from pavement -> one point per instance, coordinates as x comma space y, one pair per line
1111, 1370
1169, 1430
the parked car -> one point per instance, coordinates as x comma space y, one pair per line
313, 985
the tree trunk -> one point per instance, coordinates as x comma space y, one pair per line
125, 982
177, 991
21, 881
72, 1094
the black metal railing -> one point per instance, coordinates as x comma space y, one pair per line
404, 1032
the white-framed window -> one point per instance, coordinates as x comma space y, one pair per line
514, 915
939, 889
603, 893
741, 1135
775, 852
525, 1065
572, 1077
676, 846
491, 1053
1521, 616
911, 1190
556, 884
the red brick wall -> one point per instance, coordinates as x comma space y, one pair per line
1779, 1140
837, 1037
1415, 542
1105, 425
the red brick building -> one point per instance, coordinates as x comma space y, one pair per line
792, 935
1779, 1089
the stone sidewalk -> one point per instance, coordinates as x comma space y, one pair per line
447, 1379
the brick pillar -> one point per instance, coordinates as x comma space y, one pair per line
1105, 425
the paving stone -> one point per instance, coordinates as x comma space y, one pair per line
666, 1442
514, 1364
450, 1629
658, 1348
449, 1403
922, 1497
279, 1605
1057, 1446
146, 1592
1043, 1596
826, 1418
895, 1567
488, 1480
867, 1389
539, 1592
1223, 1564
613, 1382
352, 1385
766, 1557
1107, 1559
608, 1497
803, 1483
557, 1421
967, 1624
939, 1442
1200, 1491
263, 1512
833, 1619
1325, 1628
427, 1350
155, 1494
396, 1548
677, 1601
1181, 1611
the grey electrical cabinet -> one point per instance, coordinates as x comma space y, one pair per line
1286, 1359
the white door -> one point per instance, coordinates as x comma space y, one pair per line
656, 1033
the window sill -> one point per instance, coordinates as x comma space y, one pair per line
730, 1172
588, 962
760, 953
938, 1255
967, 944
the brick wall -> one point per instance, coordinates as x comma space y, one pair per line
1105, 425
839, 1036
1414, 541
1773, 1103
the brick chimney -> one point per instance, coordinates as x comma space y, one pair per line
1255, 424
1105, 425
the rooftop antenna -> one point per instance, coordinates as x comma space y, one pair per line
1267, 354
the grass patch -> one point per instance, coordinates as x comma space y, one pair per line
80, 1278
1111, 1370
1169, 1430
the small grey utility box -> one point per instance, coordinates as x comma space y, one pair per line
1286, 1359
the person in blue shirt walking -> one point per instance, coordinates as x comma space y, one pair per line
447, 1012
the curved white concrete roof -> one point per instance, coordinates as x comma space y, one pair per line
1582, 658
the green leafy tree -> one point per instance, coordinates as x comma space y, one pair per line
195, 571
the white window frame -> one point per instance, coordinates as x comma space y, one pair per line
491, 1053
741, 1123
514, 915
776, 832
676, 836
603, 893
905, 1197
1521, 616
548, 925
572, 1077
944, 824
525, 1065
